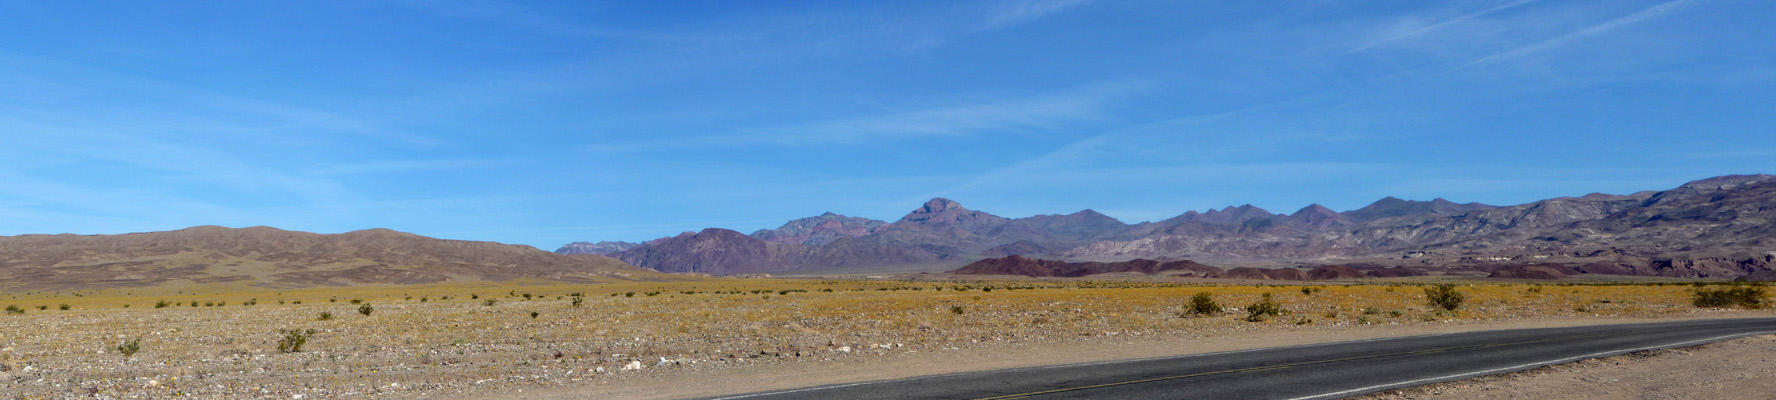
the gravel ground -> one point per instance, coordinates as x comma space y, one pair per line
640, 343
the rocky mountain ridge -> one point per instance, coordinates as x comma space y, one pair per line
1716, 227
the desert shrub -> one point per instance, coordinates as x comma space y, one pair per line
577, 301
490, 302
422, 299
293, 340
1202, 304
534, 314
1743, 296
42, 308
64, 307
1304, 321
1371, 310
160, 304
14, 309
473, 296
1265, 308
957, 310
357, 301
366, 309
129, 347
527, 296
252, 302
326, 316
1444, 296
630, 294
1309, 290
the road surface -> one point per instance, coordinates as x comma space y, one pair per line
1320, 371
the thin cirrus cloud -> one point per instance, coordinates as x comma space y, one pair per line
1047, 112
1415, 30
1637, 17
1038, 113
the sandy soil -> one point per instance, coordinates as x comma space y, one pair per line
681, 339
1735, 369
1107, 348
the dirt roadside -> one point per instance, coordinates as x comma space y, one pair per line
991, 356
1736, 369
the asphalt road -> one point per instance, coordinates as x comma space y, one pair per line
1320, 371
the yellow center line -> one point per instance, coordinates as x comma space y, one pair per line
1274, 367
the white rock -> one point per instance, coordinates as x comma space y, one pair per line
297, 397
846, 349
598, 370
633, 365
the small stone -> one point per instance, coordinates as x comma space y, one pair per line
632, 366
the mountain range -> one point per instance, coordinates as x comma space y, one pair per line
1716, 227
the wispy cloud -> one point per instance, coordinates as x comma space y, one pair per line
1069, 153
1045, 112
1048, 112
1415, 30
1637, 17
406, 166
1005, 14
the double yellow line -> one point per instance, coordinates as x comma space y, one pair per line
1276, 367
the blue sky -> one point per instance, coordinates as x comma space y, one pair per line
551, 122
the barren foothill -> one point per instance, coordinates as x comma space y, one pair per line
711, 336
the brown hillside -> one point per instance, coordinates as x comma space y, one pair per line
263, 256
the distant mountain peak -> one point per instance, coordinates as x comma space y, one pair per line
939, 204
1315, 208
945, 211
819, 230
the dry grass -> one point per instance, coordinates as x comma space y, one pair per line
455, 344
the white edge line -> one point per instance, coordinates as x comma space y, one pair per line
1417, 382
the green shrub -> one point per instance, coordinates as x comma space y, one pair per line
366, 309
490, 302
1309, 291
1743, 296
293, 340
1444, 296
957, 310
357, 301
1265, 308
534, 314
1202, 304
129, 347
326, 316
14, 309
577, 301
65, 307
